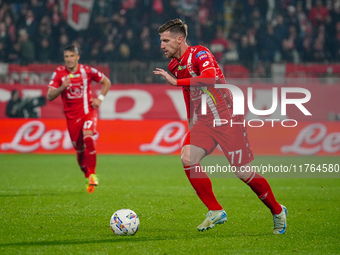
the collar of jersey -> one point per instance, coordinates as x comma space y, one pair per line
181, 58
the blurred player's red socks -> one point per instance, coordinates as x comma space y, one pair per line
202, 185
90, 154
81, 162
262, 189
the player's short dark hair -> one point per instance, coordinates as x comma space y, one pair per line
71, 48
174, 26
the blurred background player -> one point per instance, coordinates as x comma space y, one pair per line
73, 82
196, 70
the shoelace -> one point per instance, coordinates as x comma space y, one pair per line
278, 223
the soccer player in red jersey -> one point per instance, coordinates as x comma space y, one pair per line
194, 68
73, 82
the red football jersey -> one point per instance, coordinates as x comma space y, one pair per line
76, 97
194, 62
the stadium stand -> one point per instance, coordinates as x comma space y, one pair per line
123, 34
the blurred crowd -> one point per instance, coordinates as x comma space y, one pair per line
245, 31
288, 31
36, 30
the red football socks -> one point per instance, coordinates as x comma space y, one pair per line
262, 189
202, 185
81, 162
90, 154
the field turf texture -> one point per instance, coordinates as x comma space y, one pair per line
45, 209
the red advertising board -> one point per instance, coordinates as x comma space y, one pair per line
164, 137
312, 70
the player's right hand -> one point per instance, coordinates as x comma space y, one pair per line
171, 80
66, 82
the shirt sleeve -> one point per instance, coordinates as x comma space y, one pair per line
96, 75
204, 63
206, 78
55, 81
204, 60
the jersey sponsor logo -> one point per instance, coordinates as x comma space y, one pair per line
201, 53
206, 63
203, 57
74, 92
71, 75
181, 67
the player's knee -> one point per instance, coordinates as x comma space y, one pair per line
243, 172
242, 176
191, 155
185, 156
79, 147
188, 160
89, 142
88, 139
185, 159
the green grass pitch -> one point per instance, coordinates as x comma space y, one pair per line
46, 210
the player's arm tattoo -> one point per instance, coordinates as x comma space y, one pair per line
54, 93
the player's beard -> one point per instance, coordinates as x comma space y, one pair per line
167, 54
71, 66
170, 55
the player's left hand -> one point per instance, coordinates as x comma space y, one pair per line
95, 102
171, 80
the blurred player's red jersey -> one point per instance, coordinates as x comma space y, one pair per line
194, 62
76, 97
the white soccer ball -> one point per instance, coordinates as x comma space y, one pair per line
124, 222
